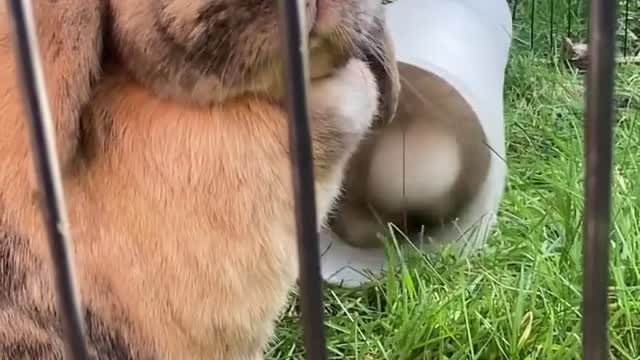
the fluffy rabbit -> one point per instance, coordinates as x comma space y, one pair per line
173, 143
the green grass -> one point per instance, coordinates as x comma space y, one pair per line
540, 25
521, 298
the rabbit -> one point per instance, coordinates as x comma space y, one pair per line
427, 172
172, 140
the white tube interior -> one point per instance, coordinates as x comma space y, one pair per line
464, 46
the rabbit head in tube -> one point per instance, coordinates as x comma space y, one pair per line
173, 144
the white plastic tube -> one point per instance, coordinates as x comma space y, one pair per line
466, 44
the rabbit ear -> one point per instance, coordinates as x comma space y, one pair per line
382, 60
70, 34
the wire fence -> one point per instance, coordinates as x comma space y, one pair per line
548, 27
598, 126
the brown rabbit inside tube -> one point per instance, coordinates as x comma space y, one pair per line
173, 143
422, 172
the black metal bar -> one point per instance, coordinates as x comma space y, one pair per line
296, 79
46, 166
532, 24
514, 11
625, 44
569, 18
598, 135
552, 20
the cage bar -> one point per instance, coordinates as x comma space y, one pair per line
296, 80
625, 36
599, 157
46, 165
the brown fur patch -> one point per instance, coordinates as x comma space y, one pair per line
13, 275
209, 51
